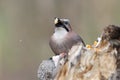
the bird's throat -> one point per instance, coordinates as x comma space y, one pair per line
60, 33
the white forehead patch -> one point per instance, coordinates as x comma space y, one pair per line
56, 21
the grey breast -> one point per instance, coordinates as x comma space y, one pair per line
70, 39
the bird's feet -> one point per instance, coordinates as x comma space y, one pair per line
62, 55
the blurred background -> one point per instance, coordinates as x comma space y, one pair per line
26, 26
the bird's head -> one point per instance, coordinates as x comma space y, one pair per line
62, 23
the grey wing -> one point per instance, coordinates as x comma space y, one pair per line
75, 38
79, 39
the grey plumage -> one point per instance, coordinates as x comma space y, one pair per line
70, 39
64, 37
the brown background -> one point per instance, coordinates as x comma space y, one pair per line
26, 26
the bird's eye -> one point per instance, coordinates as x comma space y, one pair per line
66, 22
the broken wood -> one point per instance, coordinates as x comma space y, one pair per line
100, 61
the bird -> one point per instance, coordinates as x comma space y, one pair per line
63, 37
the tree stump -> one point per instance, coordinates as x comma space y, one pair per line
100, 61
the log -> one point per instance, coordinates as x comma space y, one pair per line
100, 61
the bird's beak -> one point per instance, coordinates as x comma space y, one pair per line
56, 20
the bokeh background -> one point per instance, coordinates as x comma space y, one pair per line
26, 26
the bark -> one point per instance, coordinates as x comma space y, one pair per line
100, 61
